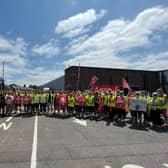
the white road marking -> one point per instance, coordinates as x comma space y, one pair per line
34, 146
8, 119
6, 126
107, 166
81, 122
132, 166
165, 164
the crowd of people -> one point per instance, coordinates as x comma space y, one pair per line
112, 105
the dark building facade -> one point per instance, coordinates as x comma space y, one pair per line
164, 80
78, 78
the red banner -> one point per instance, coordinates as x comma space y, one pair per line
106, 87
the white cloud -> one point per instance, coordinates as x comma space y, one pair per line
39, 76
76, 32
77, 24
152, 61
49, 49
13, 60
18, 46
104, 47
5, 45
12, 53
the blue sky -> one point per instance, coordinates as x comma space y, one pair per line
39, 39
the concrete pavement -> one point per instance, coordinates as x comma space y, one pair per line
62, 143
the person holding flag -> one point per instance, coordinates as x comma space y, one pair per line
93, 81
126, 86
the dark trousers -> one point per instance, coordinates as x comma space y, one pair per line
120, 114
105, 107
156, 117
2, 108
43, 107
112, 113
82, 111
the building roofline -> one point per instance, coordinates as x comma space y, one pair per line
106, 68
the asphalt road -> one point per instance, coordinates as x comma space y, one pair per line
63, 143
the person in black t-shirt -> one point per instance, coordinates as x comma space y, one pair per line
2, 103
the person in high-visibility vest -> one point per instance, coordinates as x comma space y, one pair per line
71, 104
166, 113
26, 102
111, 105
31, 96
105, 103
143, 97
56, 102
96, 104
82, 105
161, 105
36, 101
50, 102
43, 102
152, 107
136, 114
100, 107
77, 98
90, 104
131, 96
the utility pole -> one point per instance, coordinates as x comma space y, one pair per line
2, 79
3, 70
78, 81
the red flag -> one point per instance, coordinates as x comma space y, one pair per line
125, 84
94, 80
